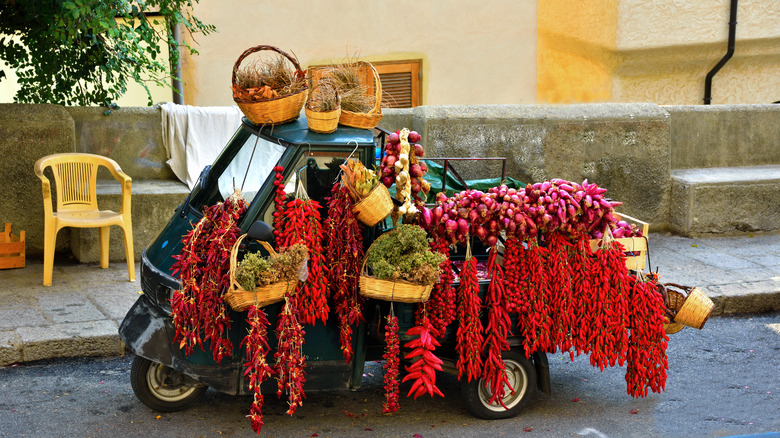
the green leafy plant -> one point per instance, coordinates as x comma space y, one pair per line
256, 270
83, 52
404, 254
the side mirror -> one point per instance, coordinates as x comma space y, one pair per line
260, 230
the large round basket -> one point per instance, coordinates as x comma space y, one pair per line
397, 291
272, 111
374, 207
240, 299
691, 306
322, 122
370, 119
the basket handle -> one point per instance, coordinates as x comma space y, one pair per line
377, 90
252, 50
685, 289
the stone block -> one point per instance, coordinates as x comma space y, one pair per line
623, 147
92, 338
130, 136
725, 200
153, 203
27, 133
10, 348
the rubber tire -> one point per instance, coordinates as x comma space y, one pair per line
162, 388
476, 395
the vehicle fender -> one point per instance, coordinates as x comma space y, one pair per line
145, 332
542, 371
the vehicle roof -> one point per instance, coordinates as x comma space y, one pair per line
298, 132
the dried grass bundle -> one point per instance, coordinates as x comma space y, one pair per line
346, 78
323, 97
276, 74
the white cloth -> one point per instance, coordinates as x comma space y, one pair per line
194, 136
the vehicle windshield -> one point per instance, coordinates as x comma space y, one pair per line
245, 168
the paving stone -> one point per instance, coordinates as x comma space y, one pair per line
114, 304
91, 338
15, 316
69, 307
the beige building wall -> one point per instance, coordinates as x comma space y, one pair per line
472, 52
659, 51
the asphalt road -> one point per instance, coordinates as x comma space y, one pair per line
723, 380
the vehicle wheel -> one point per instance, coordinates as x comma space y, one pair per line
161, 387
522, 377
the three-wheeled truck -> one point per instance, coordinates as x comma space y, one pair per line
165, 379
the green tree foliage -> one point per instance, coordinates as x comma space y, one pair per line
84, 52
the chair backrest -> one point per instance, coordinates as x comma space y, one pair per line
75, 177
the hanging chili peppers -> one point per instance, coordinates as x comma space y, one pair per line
497, 331
344, 250
512, 274
559, 291
203, 267
298, 221
469, 336
580, 257
290, 361
646, 356
257, 368
392, 361
535, 323
423, 369
441, 305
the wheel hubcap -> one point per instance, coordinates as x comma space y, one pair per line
518, 380
168, 384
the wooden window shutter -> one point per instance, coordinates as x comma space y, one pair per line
401, 83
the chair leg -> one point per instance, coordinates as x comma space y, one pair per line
129, 253
104, 239
49, 243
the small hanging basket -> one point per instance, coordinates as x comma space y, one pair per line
323, 122
240, 299
273, 111
394, 291
689, 306
370, 119
374, 207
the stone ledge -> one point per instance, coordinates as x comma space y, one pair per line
725, 200
93, 338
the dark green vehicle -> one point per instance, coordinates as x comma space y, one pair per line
165, 379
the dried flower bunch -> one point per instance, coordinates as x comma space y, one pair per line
266, 79
255, 270
404, 254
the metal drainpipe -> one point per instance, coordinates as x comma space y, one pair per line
725, 59
177, 84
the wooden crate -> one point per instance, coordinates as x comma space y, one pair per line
11, 249
636, 247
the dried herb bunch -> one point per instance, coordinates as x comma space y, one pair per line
255, 270
323, 98
268, 79
347, 79
404, 254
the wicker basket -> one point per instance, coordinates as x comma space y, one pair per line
370, 119
240, 299
272, 111
322, 122
374, 207
396, 291
689, 305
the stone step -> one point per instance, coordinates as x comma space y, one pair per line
725, 200
153, 204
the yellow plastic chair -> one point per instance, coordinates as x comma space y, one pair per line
75, 177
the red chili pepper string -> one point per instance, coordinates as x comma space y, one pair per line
580, 256
257, 369
440, 307
290, 363
646, 357
469, 336
513, 271
392, 361
497, 330
535, 326
425, 363
559, 292
203, 266
344, 248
